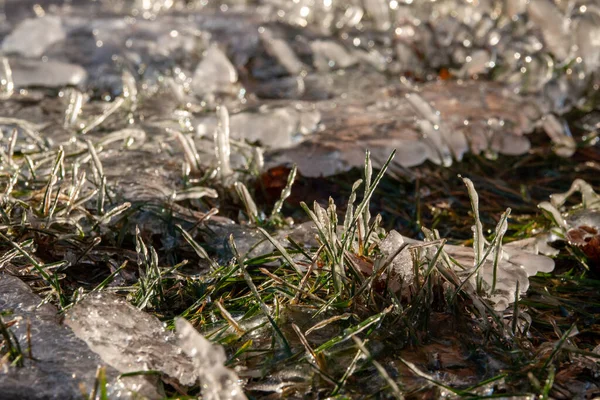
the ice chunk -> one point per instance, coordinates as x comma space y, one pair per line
554, 26
33, 36
588, 41
128, 339
218, 382
328, 54
281, 51
379, 11
53, 74
274, 128
560, 134
61, 362
402, 263
214, 73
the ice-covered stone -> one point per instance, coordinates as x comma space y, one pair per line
217, 381
33, 36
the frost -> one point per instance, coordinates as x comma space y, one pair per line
217, 381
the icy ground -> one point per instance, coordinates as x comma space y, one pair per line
110, 108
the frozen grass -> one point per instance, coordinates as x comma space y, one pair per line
321, 321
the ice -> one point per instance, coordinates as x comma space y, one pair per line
328, 55
129, 340
53, 74
560, 134
33, 36
61, 361
280, 50
555, 27
274, 128
402, 263
588, 41
217, 381
214, 73
440, 123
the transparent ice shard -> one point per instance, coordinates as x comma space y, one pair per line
559, 132
33, 36
327, 55
214, 73
554, 26
280, 50
129, 340
402, 263
217, 381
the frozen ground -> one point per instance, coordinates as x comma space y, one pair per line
126, 126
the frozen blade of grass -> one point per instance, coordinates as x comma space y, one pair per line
7, 85
229, 318
478, 239
222, 145
96, 163
30, 129
365, 202
285, 193
559, 345
349, 371
189, 149
246, 198
39, 268
195, 193
99, 120
415, 370
395, 389
256, 294
350, 210
485, 255
313, 357
51, 182
74, 108
366, 214
12, 141
324, 323
282, 250
499, 233
109, 278
105, 219
349, 332
199, 250
292, 286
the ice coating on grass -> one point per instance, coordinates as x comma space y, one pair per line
129, 340
217, 381
33, 36
62, 362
